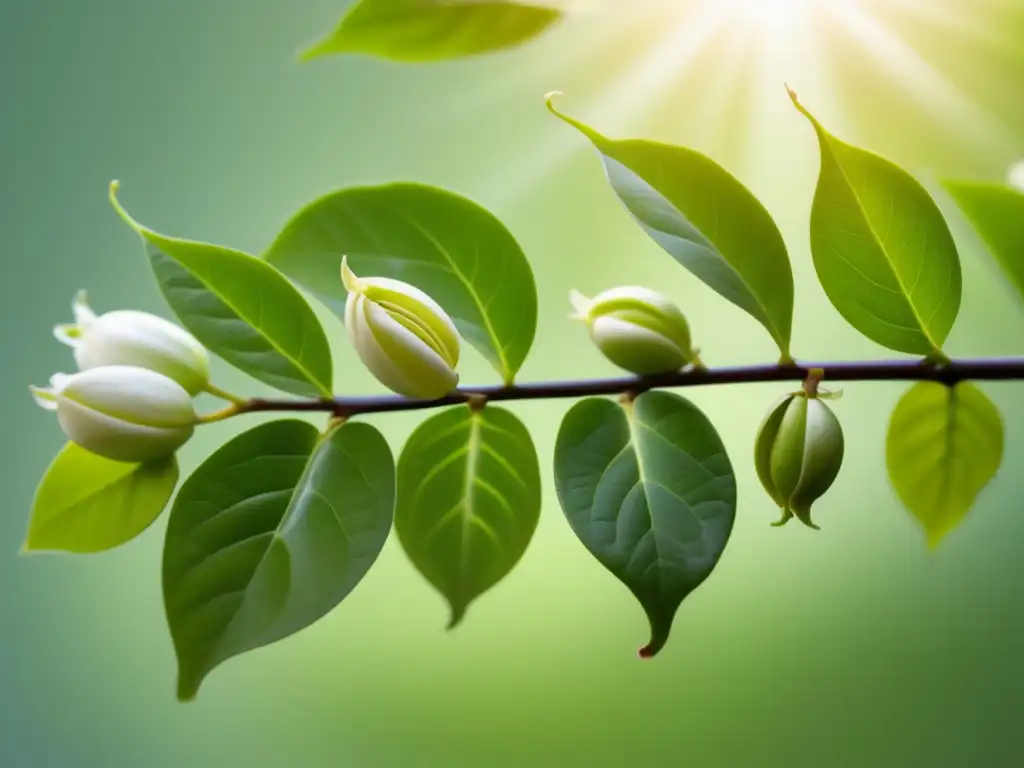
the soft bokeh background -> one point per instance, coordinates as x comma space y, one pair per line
854, 646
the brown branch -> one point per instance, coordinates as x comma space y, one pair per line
949, 373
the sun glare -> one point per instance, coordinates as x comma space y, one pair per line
737, 54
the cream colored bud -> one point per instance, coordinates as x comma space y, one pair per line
402, 335
636, 328
139, 339
121, 412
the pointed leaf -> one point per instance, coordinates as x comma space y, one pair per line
468, 501
87, 503
882, 250
944, 446
649, 490
431, 30
706, 220
998, 214
242, 309
270, 534
444, 244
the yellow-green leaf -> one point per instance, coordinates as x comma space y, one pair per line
883, 252
944, 446
87, 503
997, 213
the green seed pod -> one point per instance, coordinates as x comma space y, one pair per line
798, 453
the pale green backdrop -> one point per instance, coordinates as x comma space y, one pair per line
854, 646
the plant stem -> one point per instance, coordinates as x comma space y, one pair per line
215, 391
953, 372
226, 413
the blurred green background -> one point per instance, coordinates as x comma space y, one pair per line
854, 646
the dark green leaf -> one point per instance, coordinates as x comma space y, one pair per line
882, 250
242, 309
444, 244
268, 535
431, 30
706, 220
468, 501
87, 503
998, 215
649, 490
944, 446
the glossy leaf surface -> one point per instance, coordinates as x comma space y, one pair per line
944, 446
882, 250
706, 220
468, 501
649, 490
87, 503
431, 30
270, 534
242, 309
997, 213
448, 246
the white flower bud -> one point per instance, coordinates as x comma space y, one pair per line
139, 339
1015, 176
402, 336
121, 412
637, 329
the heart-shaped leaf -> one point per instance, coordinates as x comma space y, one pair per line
649, 490
468, 501
997, 213
944, 446
87, 503
444, 244
882, 250
270, 534
242, 309
706, 220
431, 30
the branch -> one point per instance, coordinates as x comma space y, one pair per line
949, 373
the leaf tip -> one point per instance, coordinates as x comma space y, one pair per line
112, 191
458, 614
314, 51
793, 97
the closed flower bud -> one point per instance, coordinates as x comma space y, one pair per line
120, 412
798, 454
402, 336
138, 339
637, 329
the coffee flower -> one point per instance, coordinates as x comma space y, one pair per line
402, 336
798, 454
139, 339
637, 329
121, 412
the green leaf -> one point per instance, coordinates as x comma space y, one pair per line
242, 309
431, 30
649, 490
270, 534
998, 214
882, 250
468, 501
706, 220
444, 244
87, 503
944, 446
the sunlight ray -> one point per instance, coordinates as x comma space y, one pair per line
925, 84
619, 105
